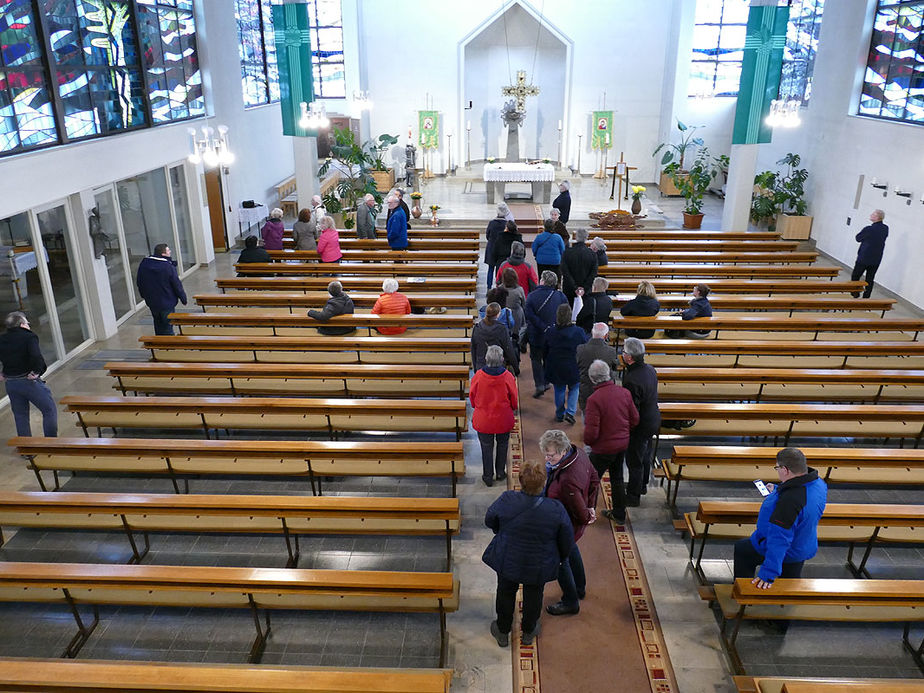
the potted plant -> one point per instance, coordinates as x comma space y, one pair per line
675, 154
383, 176
779, 199
352, 163
693, 184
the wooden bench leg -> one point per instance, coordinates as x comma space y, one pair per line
259, 643
916, 652
442, 635
293, 553
83, 631
35, 470
730, 643
860, 571
137, 556
698, 565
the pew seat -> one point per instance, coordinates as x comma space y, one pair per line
786, 684
406, 285
299, 303
336, 270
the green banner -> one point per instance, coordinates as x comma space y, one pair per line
429, 127
602, 133
760, 73
293, 50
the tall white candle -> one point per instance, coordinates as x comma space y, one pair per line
468, 125
559, 125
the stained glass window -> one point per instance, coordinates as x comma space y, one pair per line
116, 65
893, 86
718, 47
257, 46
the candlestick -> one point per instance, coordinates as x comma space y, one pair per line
559, 125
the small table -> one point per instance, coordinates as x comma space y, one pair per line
496, 176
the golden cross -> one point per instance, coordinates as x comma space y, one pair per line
521, 90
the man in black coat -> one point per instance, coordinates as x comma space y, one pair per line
563, 201
872, 240
496, 227
641, 381
338, 304
160, 287
578, 266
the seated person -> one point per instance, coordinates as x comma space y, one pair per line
338, 304
645, 304
390, 302
597, 306
251, 253
699, 308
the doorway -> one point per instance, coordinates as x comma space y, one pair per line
215, 197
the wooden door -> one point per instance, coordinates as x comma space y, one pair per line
215, 198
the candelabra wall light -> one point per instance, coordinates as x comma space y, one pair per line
884, 187
784, 113
208, 148
314, 116
362, 100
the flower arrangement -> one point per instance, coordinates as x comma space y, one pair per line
490, 159
433, 208
547, 161
637, 191
416, 195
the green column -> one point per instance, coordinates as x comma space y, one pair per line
293, 51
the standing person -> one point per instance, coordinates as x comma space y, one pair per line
558, 226
492, 331
305, 232
641, 380
609, 418
23, 365
645, 304
365, 217
872, 240
492, 233
595, 349
573, 481
516, 302
563, 202
533, 536
338, 304
561, 342
599, 247
541, 309
273, 231
526, 275
396, 226
391, 302
578, 266
547, 248
402, 205
493, 394
160, 287
787, 524
597, 305
329, 241
504, 243
317, 213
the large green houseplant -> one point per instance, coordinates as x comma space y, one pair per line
383, 175
779, 199
693, 184
675, 154
353, 163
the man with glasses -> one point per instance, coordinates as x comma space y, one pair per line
787, 525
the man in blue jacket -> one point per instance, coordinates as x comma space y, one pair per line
787, 525
872, 240
396, 226
160, 287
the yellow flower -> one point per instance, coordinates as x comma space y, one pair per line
638, 189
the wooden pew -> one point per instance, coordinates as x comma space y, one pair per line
296, 325
270, 413
380, 243
447, 285
778, 303
313, 349
714, 257
684, 234
849, 601
299, 303
866, 524
786, 684
287, 196
418, 231
768, 287
336, 270
796, 327
730, 353
320, 380
184, 459
739, 463
708, 273
902, 421
791, 384
374, 255
30, 675
288, 516
708, 245
257, 589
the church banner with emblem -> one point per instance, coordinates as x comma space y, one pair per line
296, 81
429, 128
760, 73
602, 136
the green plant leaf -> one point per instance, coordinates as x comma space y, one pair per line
681, 126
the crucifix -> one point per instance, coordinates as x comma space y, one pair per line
514, 113
620, 171
521, 90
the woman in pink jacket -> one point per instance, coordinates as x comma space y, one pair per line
329, 241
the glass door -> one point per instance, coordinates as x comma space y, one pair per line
106, 234
179, 200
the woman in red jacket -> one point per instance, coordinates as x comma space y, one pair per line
526, 274
493, 394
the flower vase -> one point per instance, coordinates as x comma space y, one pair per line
416, 211
636, 206
433, 220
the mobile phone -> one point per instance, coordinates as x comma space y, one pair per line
762, 487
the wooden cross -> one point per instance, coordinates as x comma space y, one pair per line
616, 175
521, 90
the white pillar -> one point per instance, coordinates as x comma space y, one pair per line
306, 169
741, 170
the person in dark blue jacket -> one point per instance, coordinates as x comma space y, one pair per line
563, 201
160, 287
699, 308
872, 240
492, 234
533, 536
787, 525
541, 306
547, 248
396, 226
561, 369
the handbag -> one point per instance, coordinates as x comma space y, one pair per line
490, 555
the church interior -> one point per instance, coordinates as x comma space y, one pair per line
252, 504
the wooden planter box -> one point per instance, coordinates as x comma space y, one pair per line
794, 228
666, 186
384, 180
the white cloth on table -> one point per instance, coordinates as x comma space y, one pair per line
517, 173
21, 262
251, 215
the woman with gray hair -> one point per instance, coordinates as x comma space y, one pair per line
329, 241
493, 394
273, 230
492, 233
573, 481
391, 302
563, 202
599, 247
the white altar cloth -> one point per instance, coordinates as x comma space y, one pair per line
519, 173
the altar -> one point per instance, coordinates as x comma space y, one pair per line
539, 176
